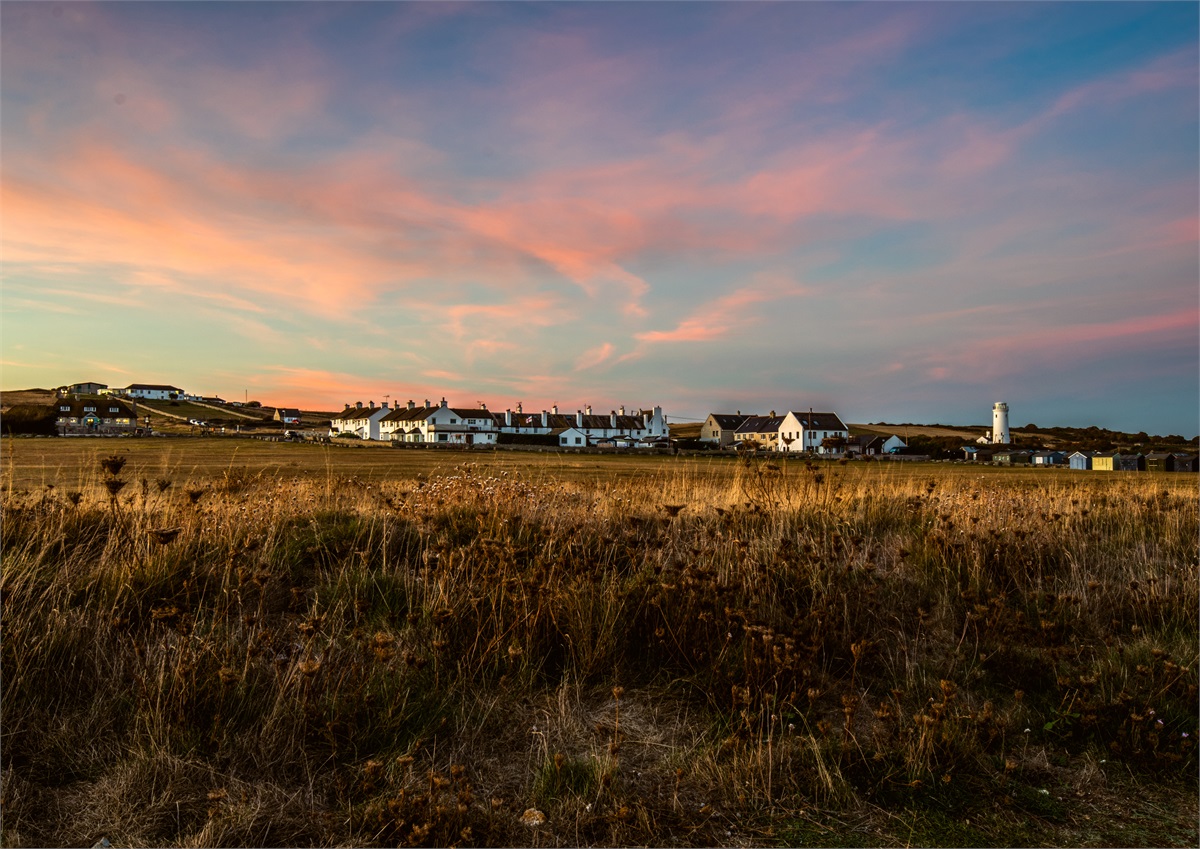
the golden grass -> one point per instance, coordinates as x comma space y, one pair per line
378, 647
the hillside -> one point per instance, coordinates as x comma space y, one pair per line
967, 434
30, 397
176, 416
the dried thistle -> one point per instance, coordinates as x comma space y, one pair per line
164, 536
113, 464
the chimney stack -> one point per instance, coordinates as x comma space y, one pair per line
621, 409
579, 418
554, 409
411, 405
443, 400
426, 403
588, 409
358, 405
508, 418
519, 410
545, 419
613, 419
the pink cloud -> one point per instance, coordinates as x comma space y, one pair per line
321, 389
720, 316
991, 357
593, 357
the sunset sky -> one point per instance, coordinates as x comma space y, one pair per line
900, 212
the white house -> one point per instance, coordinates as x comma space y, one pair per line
571, 437
457, 426
151, 391
358, 420
807, 432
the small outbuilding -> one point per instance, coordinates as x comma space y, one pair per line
1080, 460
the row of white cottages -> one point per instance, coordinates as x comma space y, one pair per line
443, 424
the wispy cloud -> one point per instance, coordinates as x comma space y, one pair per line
593, 357
721, 316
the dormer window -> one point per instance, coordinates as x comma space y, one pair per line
65, 408
89, 409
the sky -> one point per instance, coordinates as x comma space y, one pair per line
900, 212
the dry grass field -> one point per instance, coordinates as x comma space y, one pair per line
230, 643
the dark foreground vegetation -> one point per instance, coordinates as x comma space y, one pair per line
783, 655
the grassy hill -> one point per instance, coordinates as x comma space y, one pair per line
175, 416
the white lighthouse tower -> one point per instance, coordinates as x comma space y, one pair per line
1000, 434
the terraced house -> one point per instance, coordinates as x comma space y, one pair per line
359, 421
446, 425
759, 432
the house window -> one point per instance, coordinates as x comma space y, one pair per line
89, 409
578, 440
114, 409
64, 409
453, 421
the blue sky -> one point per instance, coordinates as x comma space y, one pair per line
901, 212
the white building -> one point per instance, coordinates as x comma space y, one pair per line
808, 432
151, 391
1000, 432
446, 425
359, 421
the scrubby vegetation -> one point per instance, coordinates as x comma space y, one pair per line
783, 654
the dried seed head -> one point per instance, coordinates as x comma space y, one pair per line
532, 817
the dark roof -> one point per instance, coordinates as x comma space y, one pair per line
404, 414
287, 411
820, 421
564, 420
761, 424
728, 421
160, 387
351, 413
559, 431
476, 413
